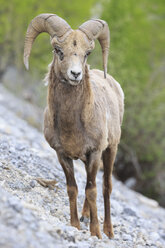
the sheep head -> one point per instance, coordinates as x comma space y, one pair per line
70, 57
71, 47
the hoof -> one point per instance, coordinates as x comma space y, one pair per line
76, 224
108, 230
95, 231
84, 219
97, 234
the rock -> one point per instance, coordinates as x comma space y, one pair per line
154, 236
15, 204
163, 236
33, 183
20, 147
127, 237
139, 246
129, 211
12, 149
148, 201
117, 207
130, 183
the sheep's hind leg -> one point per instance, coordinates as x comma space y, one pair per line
85, 212
67, 165
86, 209
108, 160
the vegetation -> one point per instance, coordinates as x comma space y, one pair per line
137, 61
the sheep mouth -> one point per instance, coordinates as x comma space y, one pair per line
71, 82
75, 82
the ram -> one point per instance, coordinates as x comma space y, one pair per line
84, 110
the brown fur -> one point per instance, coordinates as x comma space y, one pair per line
84, 122
84, 111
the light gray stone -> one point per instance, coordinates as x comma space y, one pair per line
129, 211
127, 237
154, 236
33, 183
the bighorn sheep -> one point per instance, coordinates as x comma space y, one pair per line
85, 110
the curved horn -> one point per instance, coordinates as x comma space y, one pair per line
98, 29
50, 23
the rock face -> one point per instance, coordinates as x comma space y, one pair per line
35, 216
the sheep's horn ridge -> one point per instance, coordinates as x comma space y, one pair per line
50, 23
98, 29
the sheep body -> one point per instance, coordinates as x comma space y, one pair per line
85, 117
84, 110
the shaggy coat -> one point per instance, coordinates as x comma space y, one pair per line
84, 110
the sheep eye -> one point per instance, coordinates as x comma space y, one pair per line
87, 54
59, 52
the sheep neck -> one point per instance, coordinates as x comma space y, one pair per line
71, 104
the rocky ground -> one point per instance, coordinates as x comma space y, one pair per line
33, 216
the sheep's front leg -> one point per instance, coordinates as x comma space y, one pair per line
67, 165
108, 160
91, 193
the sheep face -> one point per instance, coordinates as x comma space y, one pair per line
70, 57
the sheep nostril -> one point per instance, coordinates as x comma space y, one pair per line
75, 74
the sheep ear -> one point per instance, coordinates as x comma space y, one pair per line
98, 29
50, 23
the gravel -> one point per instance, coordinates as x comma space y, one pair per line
35, 216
